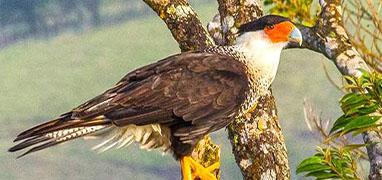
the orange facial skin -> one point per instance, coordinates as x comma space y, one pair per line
280, 32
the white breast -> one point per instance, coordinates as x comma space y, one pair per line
260, 53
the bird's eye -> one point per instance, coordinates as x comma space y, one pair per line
271, 26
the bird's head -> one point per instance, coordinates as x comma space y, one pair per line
262, 40
271, 30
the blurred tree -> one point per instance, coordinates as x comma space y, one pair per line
93, 7
10, 9
27, 18
80, 7
68, 7
298, 10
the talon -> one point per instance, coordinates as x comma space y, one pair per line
213, 167
192, 170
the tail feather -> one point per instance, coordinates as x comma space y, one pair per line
28, 142
58, 131
40, 145
50, 125
33, 131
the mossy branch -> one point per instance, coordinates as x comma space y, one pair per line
183, 22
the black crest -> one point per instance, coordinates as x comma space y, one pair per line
261, 23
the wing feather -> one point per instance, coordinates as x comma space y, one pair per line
199, 88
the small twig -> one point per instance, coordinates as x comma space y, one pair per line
338, 87
322, 3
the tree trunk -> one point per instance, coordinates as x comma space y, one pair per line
258, 143
31, 17
257, 140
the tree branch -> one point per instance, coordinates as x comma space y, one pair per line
257, 140
183, 22
329, 37
234, 13
187, 30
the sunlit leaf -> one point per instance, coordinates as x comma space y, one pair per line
329, 163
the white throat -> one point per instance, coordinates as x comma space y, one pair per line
261, 54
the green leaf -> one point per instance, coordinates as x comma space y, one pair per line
371, 108
361, 122
348, 98
348, 124
329, 163
350, 80
322, 175
312, 168
268, 2
340, 123
309, 161
365, 74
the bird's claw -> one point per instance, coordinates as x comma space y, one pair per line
192, 170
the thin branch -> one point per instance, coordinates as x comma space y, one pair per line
363, 19
234, 13
319, 127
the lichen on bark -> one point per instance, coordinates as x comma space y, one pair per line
258, 143
183, 22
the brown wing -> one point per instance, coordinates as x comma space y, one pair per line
193, 92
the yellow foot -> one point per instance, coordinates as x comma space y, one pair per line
192, 170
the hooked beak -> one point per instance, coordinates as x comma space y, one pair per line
295, 36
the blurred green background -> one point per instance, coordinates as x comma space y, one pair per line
45, 74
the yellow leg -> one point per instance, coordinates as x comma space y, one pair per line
192, 169
186, 169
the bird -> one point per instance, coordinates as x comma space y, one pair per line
173, 103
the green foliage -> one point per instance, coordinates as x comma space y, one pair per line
298, 10
361, 107
330, 163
